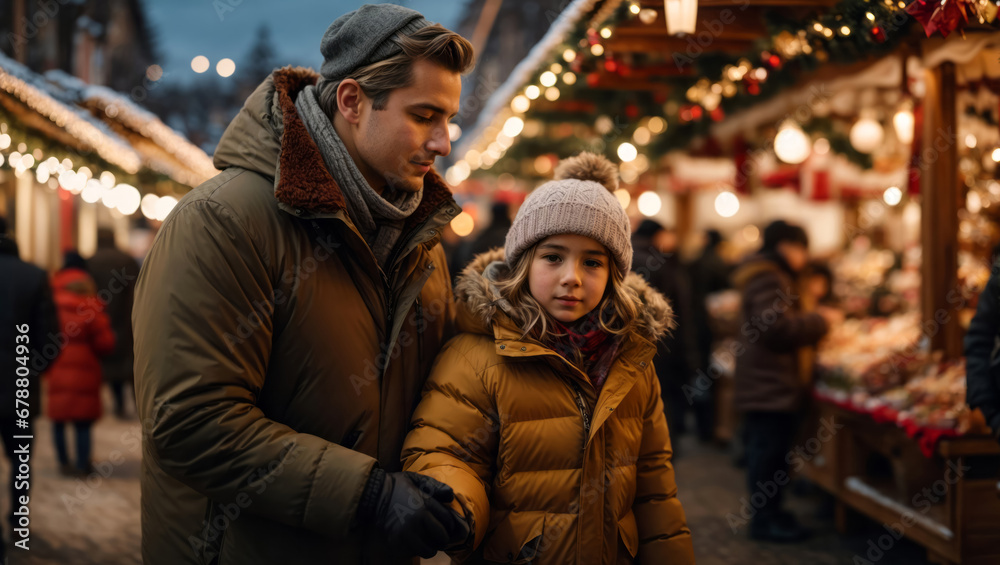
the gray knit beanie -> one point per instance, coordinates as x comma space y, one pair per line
579, 201
365, 36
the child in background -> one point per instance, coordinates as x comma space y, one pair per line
74, 380
544, 415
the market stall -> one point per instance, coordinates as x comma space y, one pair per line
79, 156
876, 122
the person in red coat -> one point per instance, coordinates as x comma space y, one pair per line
74, 380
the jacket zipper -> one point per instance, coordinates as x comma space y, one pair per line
582, 405
420, 334
390, 306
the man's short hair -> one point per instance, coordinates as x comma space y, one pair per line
3, 225
434, 43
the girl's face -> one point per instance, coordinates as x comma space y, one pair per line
568, 275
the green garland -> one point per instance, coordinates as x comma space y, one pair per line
867, 39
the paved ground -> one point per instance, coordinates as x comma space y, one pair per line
711, 488
76, 523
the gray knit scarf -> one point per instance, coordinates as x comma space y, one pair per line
379, 220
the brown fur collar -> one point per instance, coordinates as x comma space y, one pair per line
477, 299
304, 180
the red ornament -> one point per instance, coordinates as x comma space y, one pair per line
717, 115
593, 79
631, 111
945, 16
879, 34
774, 61
611, 66
696, 112
753, 88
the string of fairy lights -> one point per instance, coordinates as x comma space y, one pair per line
80, 180
852, 30
24, 155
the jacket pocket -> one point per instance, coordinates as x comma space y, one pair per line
516, 539
629, 532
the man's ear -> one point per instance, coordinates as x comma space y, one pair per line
349, 100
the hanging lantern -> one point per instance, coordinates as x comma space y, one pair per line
791, 145
727, 204
682, 16
867, 135
649, 203
902, 122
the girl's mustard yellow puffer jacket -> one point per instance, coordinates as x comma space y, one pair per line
548, 469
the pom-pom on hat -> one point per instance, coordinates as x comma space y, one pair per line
578, 201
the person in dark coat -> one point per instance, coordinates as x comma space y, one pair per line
982, 374
774, 368
709, 274
493, 236
74, 381
655, 259
27, 317
115, 273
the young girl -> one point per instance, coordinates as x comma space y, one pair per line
544, 415
74, 379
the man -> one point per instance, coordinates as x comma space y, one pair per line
114, 273
655, 258
27, 317
773, 374
290, 309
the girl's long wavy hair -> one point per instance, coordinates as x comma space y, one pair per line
619, 306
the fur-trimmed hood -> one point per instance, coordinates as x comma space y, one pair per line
269, 138
479, 303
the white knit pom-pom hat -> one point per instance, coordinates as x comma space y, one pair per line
578, 201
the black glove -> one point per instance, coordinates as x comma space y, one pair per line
412, 511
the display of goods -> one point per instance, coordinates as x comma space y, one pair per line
871, 353
876, 282
973, 274
911, 388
